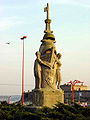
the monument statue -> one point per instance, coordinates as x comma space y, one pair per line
47, 64
47, 69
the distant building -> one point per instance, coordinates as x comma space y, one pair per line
81, 94
76, 87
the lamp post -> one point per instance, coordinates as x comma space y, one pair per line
24, 37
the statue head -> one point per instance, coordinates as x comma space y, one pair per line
59, 55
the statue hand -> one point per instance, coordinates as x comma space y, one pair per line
38, 55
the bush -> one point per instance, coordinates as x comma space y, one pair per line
58, 112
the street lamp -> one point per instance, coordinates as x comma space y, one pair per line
24, 37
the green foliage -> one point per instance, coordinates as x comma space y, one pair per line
58, 112
45, 110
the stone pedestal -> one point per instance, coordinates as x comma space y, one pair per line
47, 97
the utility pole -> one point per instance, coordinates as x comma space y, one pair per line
24, 37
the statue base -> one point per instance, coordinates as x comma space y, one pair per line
47, 97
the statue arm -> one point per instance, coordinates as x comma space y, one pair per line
59, 63
44, 63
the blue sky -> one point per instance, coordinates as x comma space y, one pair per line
71, 26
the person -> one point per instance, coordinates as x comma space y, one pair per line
38, 69
58, 74
37, 72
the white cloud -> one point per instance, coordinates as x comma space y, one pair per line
1, 11
8, 22
83, 3
60, 1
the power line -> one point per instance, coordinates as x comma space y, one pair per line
14, 85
